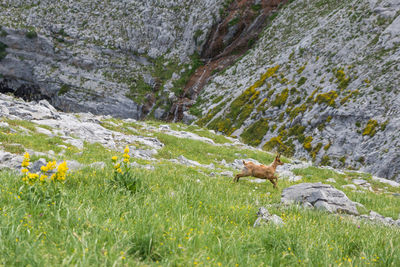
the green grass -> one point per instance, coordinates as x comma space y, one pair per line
205, 153
30, 139
177, 220
177, 215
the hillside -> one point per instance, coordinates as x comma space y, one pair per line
182, 207
316, 80
320, 84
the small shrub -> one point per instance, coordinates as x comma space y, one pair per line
326, 98
370, 129
316, 150
342, 80
301, 81
307, 143
327, 146
281, 98
3, 33
296, 130
296, 111
64, 89
3, 52
31, 34
383, 125
256, 7
343, 160
325, 160
234, 21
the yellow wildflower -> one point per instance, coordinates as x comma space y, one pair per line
24, 170
42, 177
126, 150
116, 166
61, 171
51, 165
114, 158
25, 162
119, 170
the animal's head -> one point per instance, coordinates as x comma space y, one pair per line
278, 159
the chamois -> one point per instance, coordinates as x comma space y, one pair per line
261, 171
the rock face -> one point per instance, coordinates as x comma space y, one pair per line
320, 196
100, 57
308, 87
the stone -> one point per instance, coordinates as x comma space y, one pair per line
359, 181
73, 165
331, 180
226, 173
386, 181
320, 196
35, 167
265, 217
98, 165
350, 186
10, 161
44, 131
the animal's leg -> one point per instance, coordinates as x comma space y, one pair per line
274, 181
244, 173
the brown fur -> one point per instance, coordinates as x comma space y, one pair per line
261, 171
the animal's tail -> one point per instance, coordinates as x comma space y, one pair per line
244, 162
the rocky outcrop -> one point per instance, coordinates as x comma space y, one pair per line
320, 196
74, 129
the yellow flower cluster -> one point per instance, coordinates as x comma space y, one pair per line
25, 163
61, 172
31, 178
126, 157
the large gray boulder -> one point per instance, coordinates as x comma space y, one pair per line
320, 196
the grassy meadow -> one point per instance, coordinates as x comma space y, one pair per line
180, 216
